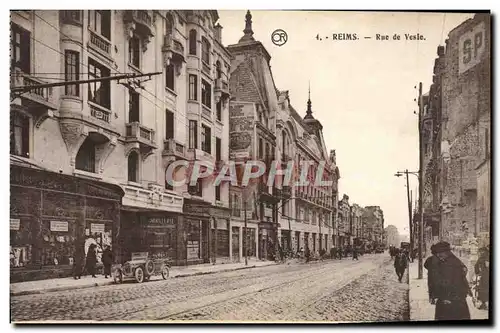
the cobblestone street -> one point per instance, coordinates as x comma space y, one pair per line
345, 290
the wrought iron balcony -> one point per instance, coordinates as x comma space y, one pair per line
99, 113
173, 148
36, 97
142, 19
100, 43
200, 155
145, 137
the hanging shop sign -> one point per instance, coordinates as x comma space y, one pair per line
97, 228
59, 226
15, 224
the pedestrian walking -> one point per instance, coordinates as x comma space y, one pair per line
482, 270
339, 253
91, 260
333, 253
107, 261
400, 264
79, 259
430, 265
307, 254
355, 253
449, 285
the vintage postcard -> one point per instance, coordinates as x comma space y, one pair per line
249, 166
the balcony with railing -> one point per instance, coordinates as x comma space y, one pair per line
221, 88
173, 50
99, 112
200, 155
36, 97
100, 43
174, 148
143, 21
144, 136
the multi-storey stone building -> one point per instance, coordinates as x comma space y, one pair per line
373, 225
356, 223
89, 161
306, 210
456, 130
344, 219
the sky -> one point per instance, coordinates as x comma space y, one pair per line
362, 91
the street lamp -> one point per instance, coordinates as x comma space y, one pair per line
421, 222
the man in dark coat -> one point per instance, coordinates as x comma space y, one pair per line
107, 261
448, 284
482, 270
79, 258
430, 265
91, 260
400, 264
340, 252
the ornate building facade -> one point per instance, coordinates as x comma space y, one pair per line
115, 136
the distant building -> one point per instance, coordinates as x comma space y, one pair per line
392, 236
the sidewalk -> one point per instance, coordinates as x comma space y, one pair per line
44, 286
420, 308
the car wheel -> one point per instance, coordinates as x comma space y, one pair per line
139, 275
165, 272
118, 276
149, 267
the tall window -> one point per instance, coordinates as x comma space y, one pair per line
193, 134
169, 125
19, 134
217, 192
169, 24
99, 92
218, 69
85, 159
133, 106
206, 139
134, 52
71, 72
100, 22
133, 166
218, 108
192, 42
20, 49
206, 94
235, 205
193, 87
170, 77
218, 149
261, 148
205, 50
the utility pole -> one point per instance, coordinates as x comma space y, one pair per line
421, 183
409, 210
245, 234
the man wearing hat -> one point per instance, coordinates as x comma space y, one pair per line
482, 270
448, 284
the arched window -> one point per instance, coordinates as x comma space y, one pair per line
192, 42
133, 166
218, 69
205, 50
85, 158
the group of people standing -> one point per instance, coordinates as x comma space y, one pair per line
447, 282
88, 263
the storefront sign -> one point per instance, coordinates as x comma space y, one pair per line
268, 212
15, 224
97, 228
472, 46
58, 226
164, 221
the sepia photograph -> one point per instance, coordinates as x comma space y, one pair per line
250, 166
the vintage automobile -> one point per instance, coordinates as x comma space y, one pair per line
141, 268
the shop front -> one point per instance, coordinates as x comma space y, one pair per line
208, 232
51, 215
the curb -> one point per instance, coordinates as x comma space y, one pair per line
106, 283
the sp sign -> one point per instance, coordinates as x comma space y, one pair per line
472, 47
